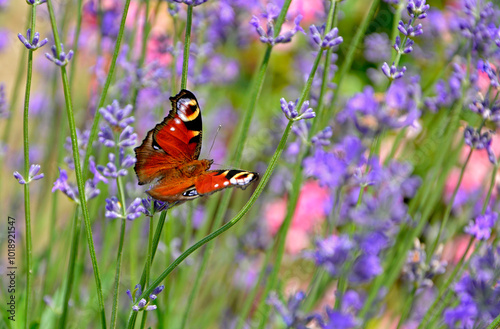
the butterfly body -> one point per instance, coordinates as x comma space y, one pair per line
167, 159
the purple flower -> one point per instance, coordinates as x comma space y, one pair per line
62, 59
417, 8
290, 110
365, 268
481, 227
377, 47
156, 291
333, 169
268, 36
191, 2
152, 206
408, 47
410, 31
331, 253
323, 137
417, 271
97, 175
116, 116
478, 292
488, 110
4, 38
127, 137
35, 2
32, 44
62, 185
331, 39
4, 4
393, 72
370, 115
114, 169
82, 141
114, 209
338, 320
290, 312
476, 140
32, 175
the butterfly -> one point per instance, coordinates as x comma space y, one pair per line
168, 157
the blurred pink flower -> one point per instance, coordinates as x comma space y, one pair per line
309, 9
477, 172
310, 211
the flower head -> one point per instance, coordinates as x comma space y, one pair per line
290, 110
114, 209
115, 168
117, 116
418, 271
290, 313
481, 227
417, 8
332, 252
191, 2
32, 44
32, 175
329, 40
393, 72
269, 35
62, 59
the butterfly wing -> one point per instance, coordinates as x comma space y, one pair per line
171, 143
178, 190
215, 180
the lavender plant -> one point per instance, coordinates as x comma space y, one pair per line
373, 128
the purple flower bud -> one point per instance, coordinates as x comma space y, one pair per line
151, 307
417, 8
141, 303
35, 43
19, 178
392, 72
61, 59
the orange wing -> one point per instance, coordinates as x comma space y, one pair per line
173, 142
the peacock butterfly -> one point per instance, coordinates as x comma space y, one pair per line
168, 157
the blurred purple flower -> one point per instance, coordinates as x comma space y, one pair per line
32, 44
191, 2
323, 137
97, 175
377, 47
4, 39
485, 108
117, 116
410, 31
290, 313
481, 227
418, 271
62, 59
127, 137
365, 268
4, 4
4, 108
331, 253
71, 191
478, 292
32, 175
82, 140
114, 209
371, 116
476, 140
338, 320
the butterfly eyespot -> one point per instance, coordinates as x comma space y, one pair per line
190, 193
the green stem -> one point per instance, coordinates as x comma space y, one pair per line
227, 226
449, 206
408, 305
116, 295
147, 266
26, 148
73, 255
187, 43
349, 58
78, 169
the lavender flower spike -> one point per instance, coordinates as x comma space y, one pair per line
32, 175
331, 39
392, 72
33, 44
417, 8
62, 59
35, 2
290, 111
191, 2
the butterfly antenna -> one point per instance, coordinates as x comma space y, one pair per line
213, 141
